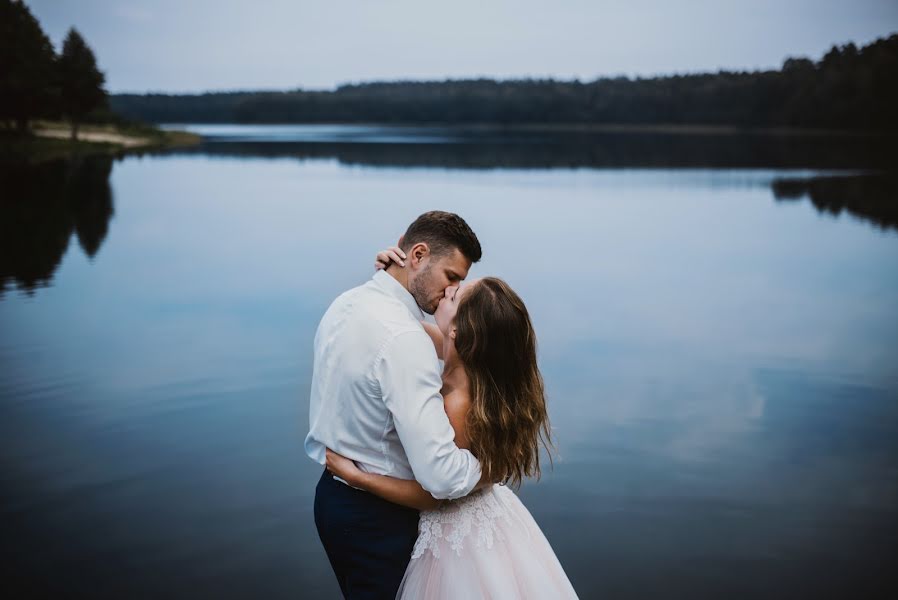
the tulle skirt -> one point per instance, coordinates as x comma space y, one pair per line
485, 545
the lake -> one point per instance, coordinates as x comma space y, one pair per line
716, 317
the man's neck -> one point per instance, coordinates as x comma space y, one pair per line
398, 273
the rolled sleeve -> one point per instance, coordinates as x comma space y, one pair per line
406, 370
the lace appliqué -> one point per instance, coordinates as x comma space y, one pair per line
480, 511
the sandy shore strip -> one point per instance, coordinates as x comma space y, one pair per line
94, 136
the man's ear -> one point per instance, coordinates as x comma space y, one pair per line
418, 252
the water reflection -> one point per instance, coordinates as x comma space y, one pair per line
45, 204
720, 369
42, 206
872, 198
522, 149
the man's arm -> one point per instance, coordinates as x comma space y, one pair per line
406, 370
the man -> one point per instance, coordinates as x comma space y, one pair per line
376, 400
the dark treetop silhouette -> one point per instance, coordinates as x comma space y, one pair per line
35, 83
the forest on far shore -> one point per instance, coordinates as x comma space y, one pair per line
848, 88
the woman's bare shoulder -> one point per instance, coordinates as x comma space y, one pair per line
458, 398
457, 403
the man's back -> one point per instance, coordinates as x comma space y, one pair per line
347, 410
376, 391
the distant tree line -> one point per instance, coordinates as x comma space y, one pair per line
849, 88
35, 82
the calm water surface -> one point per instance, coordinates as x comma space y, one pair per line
717, 324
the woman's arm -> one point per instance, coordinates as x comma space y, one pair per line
392, 254
406, 492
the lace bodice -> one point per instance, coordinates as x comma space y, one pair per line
472, 519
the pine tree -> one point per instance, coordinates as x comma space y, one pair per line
81, 82
27, 88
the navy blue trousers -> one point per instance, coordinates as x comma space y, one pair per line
368, 540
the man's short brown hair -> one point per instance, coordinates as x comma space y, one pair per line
442, 231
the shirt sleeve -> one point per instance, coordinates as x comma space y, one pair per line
410, 384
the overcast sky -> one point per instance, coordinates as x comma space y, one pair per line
199, 45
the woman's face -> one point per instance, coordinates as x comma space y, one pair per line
448, 306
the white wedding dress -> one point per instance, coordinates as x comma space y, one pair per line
485, 545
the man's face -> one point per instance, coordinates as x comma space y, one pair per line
436, 274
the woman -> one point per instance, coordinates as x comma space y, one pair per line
485, 545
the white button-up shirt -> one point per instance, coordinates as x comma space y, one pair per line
376, 392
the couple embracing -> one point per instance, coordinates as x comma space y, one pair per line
421, 427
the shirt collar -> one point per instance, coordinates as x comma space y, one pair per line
386, 282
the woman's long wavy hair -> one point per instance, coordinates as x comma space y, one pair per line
508, 420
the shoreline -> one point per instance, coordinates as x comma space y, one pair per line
94, 137
51, 140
